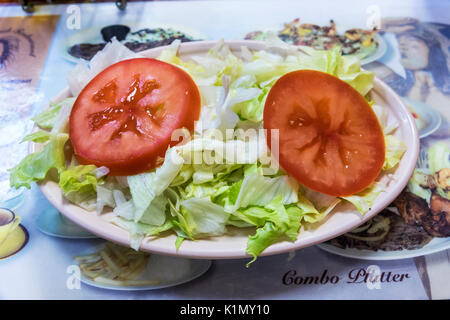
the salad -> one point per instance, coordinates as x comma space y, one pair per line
220, 141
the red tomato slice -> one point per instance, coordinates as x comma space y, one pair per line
124, 117
330, 139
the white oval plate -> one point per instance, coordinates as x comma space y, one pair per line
168, 271
435, 245
233, 244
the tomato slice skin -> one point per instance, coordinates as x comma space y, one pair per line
330, 139
125, 116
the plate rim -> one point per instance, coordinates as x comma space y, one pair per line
237, 253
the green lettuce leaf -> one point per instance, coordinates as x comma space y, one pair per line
35, 166
295, 215
124, 209
105, 197
170, 55
145, 187
266, 66
179, 241
274, 220
47, 118
80, 179
55, 114
38, 137
263, 238
183, 176
181, 226
202, 175
212, 190
253, 110
316, 209
224, 62
79, 185
260, 190
140, 230
395, 148
214, 151
364, 200
203, 217
155, 214
348, 69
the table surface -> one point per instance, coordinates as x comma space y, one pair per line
40, 270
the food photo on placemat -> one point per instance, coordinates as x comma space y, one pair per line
418, 221
366, 44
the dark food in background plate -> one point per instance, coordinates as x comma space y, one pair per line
399, 235
85, 50
410, 207
417, 223
438, 223
136, 41
138, 46
116, 30
354, 41
435, 219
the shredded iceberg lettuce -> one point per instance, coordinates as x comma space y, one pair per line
79, 185
259, 190
80, 179
274, 220
47, 118
203, 217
